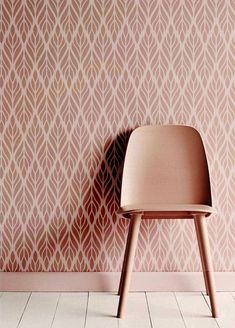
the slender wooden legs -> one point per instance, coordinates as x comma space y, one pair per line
129, 264
125, 258
201, 255
200, 222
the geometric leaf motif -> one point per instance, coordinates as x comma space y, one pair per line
76, 78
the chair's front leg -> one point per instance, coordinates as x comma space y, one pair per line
200, 220
129, 263
200, 252
125, 258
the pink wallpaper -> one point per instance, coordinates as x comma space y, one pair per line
76, 78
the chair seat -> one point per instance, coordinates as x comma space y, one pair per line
160, 211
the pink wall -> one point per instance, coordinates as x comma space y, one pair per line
75, 76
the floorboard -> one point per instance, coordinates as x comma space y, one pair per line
164, 310
71, 310
40, 310
226, 306
12, 306
98, 310
137, 313
101, 310
195, 310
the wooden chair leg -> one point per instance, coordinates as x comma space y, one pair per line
125, 258
129, 264
202, 259
205, 252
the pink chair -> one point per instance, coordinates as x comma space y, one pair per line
166, 176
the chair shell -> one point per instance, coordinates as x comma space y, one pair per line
165, 166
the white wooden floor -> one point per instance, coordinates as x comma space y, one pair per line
98, 310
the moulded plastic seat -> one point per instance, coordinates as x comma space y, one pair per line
169, 210
166, 176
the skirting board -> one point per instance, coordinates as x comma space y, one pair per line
108, 281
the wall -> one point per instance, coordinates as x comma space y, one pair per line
76, 78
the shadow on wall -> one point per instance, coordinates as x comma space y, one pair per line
105, 240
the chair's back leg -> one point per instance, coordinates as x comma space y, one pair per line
129, 263
205, 253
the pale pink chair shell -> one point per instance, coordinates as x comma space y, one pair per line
166, 176
165, 169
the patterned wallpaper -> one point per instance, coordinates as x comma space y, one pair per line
76, 78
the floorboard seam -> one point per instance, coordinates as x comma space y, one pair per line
204, 296
88, 295
180, 310
26, 304
55, 310
150, 319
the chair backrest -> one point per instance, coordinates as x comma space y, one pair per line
165, 165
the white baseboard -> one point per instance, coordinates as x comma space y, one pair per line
108, 281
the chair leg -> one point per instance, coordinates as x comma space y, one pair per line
125, 258
200, 221
202, 259
129, 264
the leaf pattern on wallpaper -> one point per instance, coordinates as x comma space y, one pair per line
76, 78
